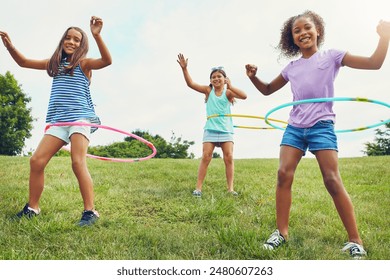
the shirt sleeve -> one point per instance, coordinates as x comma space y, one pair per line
285, 72
338, 56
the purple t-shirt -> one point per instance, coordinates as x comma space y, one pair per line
313, 78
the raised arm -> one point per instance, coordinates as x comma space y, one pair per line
183, 62
376, 60
89, 64
233, 92
19, 58
264, 88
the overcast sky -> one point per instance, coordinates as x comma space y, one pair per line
144, 87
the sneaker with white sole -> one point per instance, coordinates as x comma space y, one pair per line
275, 240
356, 250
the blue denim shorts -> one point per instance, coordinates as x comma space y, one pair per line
217, 137
320, 136
64, 132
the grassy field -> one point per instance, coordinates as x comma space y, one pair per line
148, 213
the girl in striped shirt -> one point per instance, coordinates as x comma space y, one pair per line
70, 101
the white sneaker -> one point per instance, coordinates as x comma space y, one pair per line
355, 250
197, 193
274, 241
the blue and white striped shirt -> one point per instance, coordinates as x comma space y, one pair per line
70, 98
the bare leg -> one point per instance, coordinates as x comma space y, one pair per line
288, 161
46, 149
227, 149
80, 169
328, 162
207, 155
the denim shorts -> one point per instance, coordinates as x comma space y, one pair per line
320, 136
64, 132
217, 137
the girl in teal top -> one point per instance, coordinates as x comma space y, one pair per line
217, 131
219, 105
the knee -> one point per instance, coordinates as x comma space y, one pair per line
206, 157
78, 165
284, 175
228, 157
37, 163
333, 184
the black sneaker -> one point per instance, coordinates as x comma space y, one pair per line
274, 241
27, 212
88, 217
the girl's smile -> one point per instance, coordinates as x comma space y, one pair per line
72, 41
305, 35
217, 79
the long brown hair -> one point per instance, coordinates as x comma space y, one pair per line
53, 67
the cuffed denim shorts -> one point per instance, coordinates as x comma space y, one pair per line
319, 137
64, 132
217, 137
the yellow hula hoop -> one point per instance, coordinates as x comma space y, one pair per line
250, 117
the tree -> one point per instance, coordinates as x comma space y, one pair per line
178, 149
15, 117
132, 148
216, 155
381, 144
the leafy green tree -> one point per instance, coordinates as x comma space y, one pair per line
178, 148
381, 144
15, 117
132, 148
216, 155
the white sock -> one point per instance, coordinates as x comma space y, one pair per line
34, 210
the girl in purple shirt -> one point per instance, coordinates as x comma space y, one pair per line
310, 126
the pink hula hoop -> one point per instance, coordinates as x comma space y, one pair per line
147, 143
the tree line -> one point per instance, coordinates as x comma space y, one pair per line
132, 148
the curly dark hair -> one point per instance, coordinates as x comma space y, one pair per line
286, 44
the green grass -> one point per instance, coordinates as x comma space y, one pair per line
147, 211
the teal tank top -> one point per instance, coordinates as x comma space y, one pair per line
219, 105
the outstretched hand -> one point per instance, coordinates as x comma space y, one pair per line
183, 62
96, 24
251, 70
383, 29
